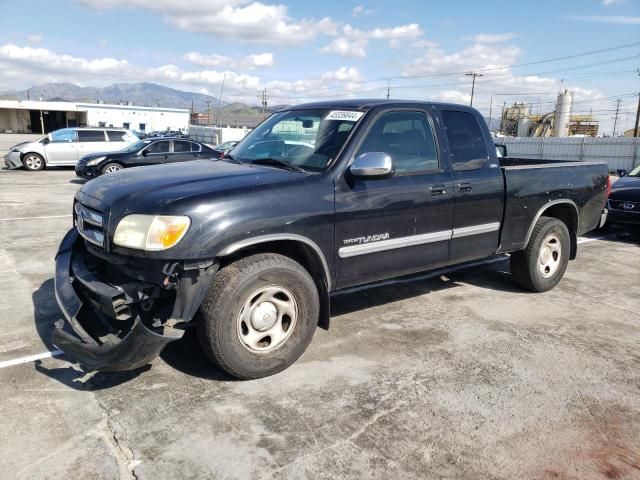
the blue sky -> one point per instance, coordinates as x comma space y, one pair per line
303, 50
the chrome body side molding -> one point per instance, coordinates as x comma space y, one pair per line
476, 230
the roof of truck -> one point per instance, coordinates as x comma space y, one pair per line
362, 104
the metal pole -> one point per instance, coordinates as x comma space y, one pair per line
635, 130
490, 111
42, 122
224, 76
615, 121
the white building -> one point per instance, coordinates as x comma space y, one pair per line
43, 117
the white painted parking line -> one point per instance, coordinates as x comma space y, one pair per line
32, 218
592, 239
30, 358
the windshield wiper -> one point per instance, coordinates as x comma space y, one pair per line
279, 163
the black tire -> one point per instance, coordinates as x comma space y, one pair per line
525, 264
33, 162
220, 327
109, 168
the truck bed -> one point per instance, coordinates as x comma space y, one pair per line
532, 184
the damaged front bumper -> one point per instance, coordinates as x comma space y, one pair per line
118, 325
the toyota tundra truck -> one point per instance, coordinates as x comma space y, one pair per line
318, 198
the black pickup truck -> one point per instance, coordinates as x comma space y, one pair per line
319, 197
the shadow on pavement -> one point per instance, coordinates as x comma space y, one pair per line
186, 355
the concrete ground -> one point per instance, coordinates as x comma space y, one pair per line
456, 376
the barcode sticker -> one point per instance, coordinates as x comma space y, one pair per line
345, 115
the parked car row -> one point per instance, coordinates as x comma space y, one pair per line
96, 151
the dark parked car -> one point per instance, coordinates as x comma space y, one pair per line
151, 151
318, 198
624, 199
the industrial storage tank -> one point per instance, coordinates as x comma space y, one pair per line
563, 114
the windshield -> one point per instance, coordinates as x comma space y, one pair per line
306, 138
635, 172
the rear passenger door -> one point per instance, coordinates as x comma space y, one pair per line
478, 186
91, 141
117, 140
182, 151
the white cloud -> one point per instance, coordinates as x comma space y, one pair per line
361, 11
253, 61
346, 47
491, 37
343, 73
424, 44
353, 42
35, 38
230, 19
606, 3
619, 20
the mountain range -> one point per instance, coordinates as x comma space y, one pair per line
142, 94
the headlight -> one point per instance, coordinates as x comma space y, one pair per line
95, 161
150, 232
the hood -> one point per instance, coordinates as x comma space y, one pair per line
22, 144
110, 155
154, 187
627, 189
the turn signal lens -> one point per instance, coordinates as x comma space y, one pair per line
150, 232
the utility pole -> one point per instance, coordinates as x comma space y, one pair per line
208, 102
473, 83
224, 76
490, 111
615, 121
263, 97
388, 88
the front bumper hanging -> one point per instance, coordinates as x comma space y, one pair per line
139, 346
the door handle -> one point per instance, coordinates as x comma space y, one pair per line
464, 187
438, 190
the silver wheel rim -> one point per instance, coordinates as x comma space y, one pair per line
33, 162
267, 319
550, 256
112, 168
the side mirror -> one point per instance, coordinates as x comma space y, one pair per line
501, 150
622, 172
45, 140
372, 164
145, 153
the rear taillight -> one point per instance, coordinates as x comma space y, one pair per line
608, 186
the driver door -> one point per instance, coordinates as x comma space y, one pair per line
62, 148
401, 224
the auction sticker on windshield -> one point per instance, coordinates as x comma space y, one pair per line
344, 115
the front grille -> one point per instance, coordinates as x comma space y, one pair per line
624, 206
89, 224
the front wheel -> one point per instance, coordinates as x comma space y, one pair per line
259, 315
541, 265
33, 162
111, 167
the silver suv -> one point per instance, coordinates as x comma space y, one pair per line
66, 146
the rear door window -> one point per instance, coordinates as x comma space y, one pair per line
116, 135
180, 146
91, 136
466, 141
195, 147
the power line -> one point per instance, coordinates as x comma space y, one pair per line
537, 62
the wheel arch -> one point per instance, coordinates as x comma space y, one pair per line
564, 210
297, 247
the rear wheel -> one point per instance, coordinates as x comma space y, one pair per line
33, 162
259, 316
541, 265
111, 167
